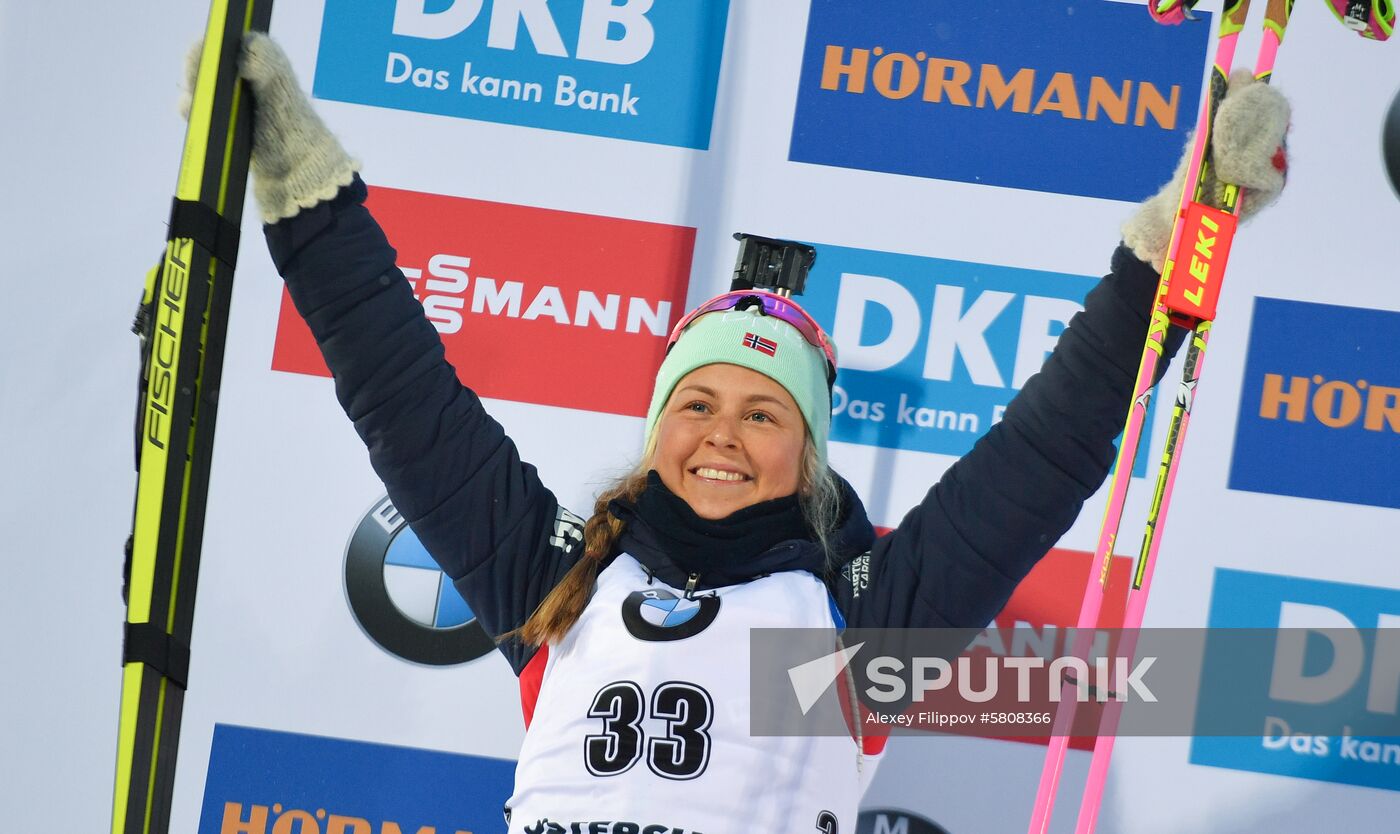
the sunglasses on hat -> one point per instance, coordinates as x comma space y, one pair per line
769, 304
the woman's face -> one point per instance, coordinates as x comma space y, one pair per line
728, 438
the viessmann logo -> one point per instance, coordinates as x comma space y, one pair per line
1320, 412
976, 98
530, 301
634, 69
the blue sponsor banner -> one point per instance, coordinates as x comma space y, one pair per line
1336, 663
262, 781
1320, 406
1090, 98
932, 350
627, 70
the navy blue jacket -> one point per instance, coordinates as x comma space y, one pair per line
483, 514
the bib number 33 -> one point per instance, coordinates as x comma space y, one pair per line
681, 752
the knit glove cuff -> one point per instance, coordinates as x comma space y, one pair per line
297, 162
1247, 148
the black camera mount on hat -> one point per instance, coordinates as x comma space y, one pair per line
776, 266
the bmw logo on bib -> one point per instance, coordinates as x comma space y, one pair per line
658, 615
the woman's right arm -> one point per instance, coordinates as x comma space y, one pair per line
449, 468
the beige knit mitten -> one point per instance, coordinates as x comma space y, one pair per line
297, 161
1247, 150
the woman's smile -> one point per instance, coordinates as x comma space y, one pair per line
729, 437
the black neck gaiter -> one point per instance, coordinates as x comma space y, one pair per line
665, 535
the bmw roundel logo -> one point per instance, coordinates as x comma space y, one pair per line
402, 600
659, 615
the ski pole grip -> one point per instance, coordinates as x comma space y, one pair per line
1206, 236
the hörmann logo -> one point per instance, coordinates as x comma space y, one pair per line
523, 321
634, 69
262, 819
994, 104
897, 75
1335, 403
1320, 416
1337, 653
932, 350
268, 782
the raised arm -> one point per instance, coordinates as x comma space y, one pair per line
449, 468
954, 560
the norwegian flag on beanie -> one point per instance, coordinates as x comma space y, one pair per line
760, 344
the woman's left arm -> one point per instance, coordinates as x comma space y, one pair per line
954, 559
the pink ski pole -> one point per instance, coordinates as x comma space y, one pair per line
1231, 22
1275, 24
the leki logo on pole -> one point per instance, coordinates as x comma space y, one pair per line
1197, 276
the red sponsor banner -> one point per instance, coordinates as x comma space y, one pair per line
533, 305
1047, 601
1052, 593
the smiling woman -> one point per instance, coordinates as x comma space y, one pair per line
631, 642
729, 437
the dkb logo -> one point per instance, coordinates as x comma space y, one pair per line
635, 69
932, 350
1335, 662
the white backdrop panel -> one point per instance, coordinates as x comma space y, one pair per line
87, 92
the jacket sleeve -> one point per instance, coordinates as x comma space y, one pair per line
448, 467
954, 559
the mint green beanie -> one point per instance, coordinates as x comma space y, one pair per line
761, 343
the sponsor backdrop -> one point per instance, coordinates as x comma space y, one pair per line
561, 181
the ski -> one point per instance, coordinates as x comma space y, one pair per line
182, 321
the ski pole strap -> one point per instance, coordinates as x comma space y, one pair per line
193, 219
167, 654
1373, 19
1171, 12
